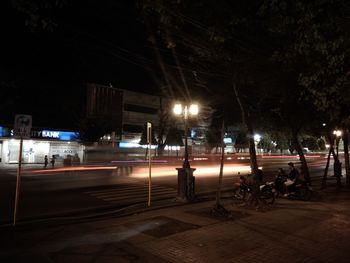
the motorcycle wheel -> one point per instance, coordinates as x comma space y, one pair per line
238, 196
267, 197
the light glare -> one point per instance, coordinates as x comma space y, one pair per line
257, 137
337, 133
194, 109
177, 109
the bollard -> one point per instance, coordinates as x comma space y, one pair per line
186, 184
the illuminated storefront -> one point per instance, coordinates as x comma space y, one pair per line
61, 144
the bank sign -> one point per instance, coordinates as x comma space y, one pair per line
58, 135
44, 134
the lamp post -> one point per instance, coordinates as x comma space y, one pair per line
186, 111
257, 138
186, 180
337, 163
337, 134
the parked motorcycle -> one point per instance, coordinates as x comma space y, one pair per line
267, 193
301, 191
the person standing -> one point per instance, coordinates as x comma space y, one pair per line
46, 161
53, 161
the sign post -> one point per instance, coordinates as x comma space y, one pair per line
22, 127
149, 140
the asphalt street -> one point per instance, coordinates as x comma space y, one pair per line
56, 193
317, 231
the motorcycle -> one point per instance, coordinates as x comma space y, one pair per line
301, 191
267, 193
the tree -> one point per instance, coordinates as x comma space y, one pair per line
174, 138
311, 142
39, 15
276, 57
313, 47
218, 208
163, 126
241, 141
280, 140
226, 37
265, 143
213, 134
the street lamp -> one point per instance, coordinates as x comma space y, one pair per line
337, 134
337, 163
186, 111
257, 138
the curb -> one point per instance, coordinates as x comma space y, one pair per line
75, 216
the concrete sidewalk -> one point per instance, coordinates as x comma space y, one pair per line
290, 231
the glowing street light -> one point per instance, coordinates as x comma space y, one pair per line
337, 133
193, 110
177, 109
257, 137
186, 111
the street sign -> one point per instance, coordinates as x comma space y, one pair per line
149, 140
23, 125
149, 132
21, 129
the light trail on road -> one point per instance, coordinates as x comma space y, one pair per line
201, 171
72, 169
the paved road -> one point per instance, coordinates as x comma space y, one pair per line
52, 194
289, 232
129, 193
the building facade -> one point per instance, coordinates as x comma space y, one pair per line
135, 109
61, 144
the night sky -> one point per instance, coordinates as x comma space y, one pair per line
43, 72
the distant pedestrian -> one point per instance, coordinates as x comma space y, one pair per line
53, 161
46, 161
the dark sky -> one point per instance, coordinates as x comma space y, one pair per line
92, 41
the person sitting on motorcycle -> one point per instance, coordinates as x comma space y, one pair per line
243, 185
293, 178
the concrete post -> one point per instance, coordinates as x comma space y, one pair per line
186, 184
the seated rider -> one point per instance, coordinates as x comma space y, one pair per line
243, 183
281, 177
293, 179
243, 186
